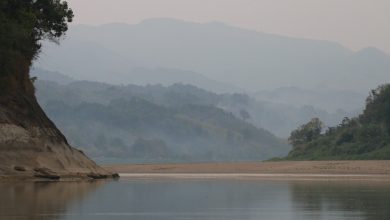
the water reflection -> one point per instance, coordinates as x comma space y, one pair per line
41, 200
365, 199
197, 199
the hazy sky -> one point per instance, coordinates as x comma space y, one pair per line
353, 23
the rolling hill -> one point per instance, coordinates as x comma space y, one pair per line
132, 123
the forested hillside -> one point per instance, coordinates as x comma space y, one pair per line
271, 113
363, 137
155, 123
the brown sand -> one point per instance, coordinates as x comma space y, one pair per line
288, 167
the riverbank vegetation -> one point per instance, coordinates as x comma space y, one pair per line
364, 137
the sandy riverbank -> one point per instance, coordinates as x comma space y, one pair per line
351, 168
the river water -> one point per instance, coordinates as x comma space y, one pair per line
191, 199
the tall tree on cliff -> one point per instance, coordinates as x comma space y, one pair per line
23, 24
28, 138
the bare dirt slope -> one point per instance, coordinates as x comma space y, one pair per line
31, 146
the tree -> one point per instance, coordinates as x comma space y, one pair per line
378, 107
23, 24
306, 133
32, 21
244, 115
363, 137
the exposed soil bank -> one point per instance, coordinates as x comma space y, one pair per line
31, 146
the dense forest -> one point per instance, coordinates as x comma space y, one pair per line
156, 123
363, 137
268, 112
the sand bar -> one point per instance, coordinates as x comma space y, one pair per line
289, 169
255, 176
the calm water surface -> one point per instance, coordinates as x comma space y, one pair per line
196, 199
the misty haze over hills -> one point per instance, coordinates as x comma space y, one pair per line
167, 51
180, 91
329, 100
287, 80
269, 110
155, 123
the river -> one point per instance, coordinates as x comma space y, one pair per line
196, 198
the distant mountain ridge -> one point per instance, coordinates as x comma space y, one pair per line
330, 100
57, 77
242, 58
